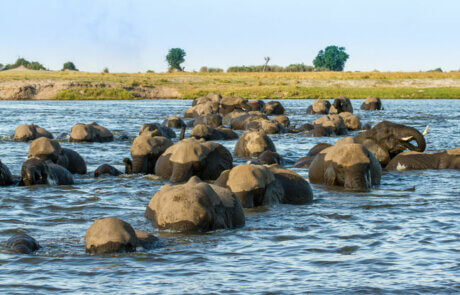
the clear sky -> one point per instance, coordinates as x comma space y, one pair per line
135, 35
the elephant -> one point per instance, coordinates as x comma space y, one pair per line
202, 109
252, 144
352, 122
90, 133
210, 133
195, 206
283, 120
320, 107
305, 162
210, 97
372, 104
334, 123
267, 126
145, 152
211, 120
242, 119
269, 158
106, 169
37, 171
155, 129
23, 244
341, 104
173, 122
191, 157
410, 160
6, 178
256, 105
30, 132
387, 139
230, 103
49, 149
273, 108
113, 235
296, 189
254, 185
346, 164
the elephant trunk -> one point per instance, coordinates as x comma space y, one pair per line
414, 134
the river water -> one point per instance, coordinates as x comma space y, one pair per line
388, 241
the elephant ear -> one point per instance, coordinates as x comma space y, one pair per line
379, 153
329, 176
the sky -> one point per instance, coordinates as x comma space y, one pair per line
135, 35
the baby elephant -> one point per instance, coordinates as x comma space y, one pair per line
106, 169
23, 244
36, 171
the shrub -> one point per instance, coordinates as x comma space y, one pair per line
150, 71
35, 65
106, 70
210, 70
69, 66
298, 68
439, 70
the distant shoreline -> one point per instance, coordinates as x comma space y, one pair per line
69, 85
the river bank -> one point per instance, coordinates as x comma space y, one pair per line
68, 85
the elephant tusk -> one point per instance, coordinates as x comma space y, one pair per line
426, 131
407, 138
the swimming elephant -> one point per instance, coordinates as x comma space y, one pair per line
372, 104
6, 178
210, 97
346, 164
296, 189
386, 139
273, 108
145, 152
37, 171
173, 122
106, 169
241, 120
202, 109
352, 122
252, 144
210, 133
112, 235
49, 149
211, 120
190, 157
341, 104
320, 107
23, 244
90, 133
195, 206
269, 158
155, 129
230, 103
254, 185
334, 123
410, 160
256, 104
30, 132
305, 162
283, 120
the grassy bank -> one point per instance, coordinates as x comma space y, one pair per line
255, 85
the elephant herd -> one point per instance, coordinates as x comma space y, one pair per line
207, 192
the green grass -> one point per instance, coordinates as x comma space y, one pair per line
94, 94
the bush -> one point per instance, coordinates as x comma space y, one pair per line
290, 68
106, 70
35, 65
69, 66
438, 70
210, 70
150, 71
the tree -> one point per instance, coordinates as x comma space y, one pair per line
267, 59
35, 65
175, 57
332, 58
1, 66
69, 66
106, 70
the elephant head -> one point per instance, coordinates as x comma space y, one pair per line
346, 164
387, 139
34, 171
5, 175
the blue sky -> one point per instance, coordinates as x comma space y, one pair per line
135, 35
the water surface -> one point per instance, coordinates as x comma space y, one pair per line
388, 241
